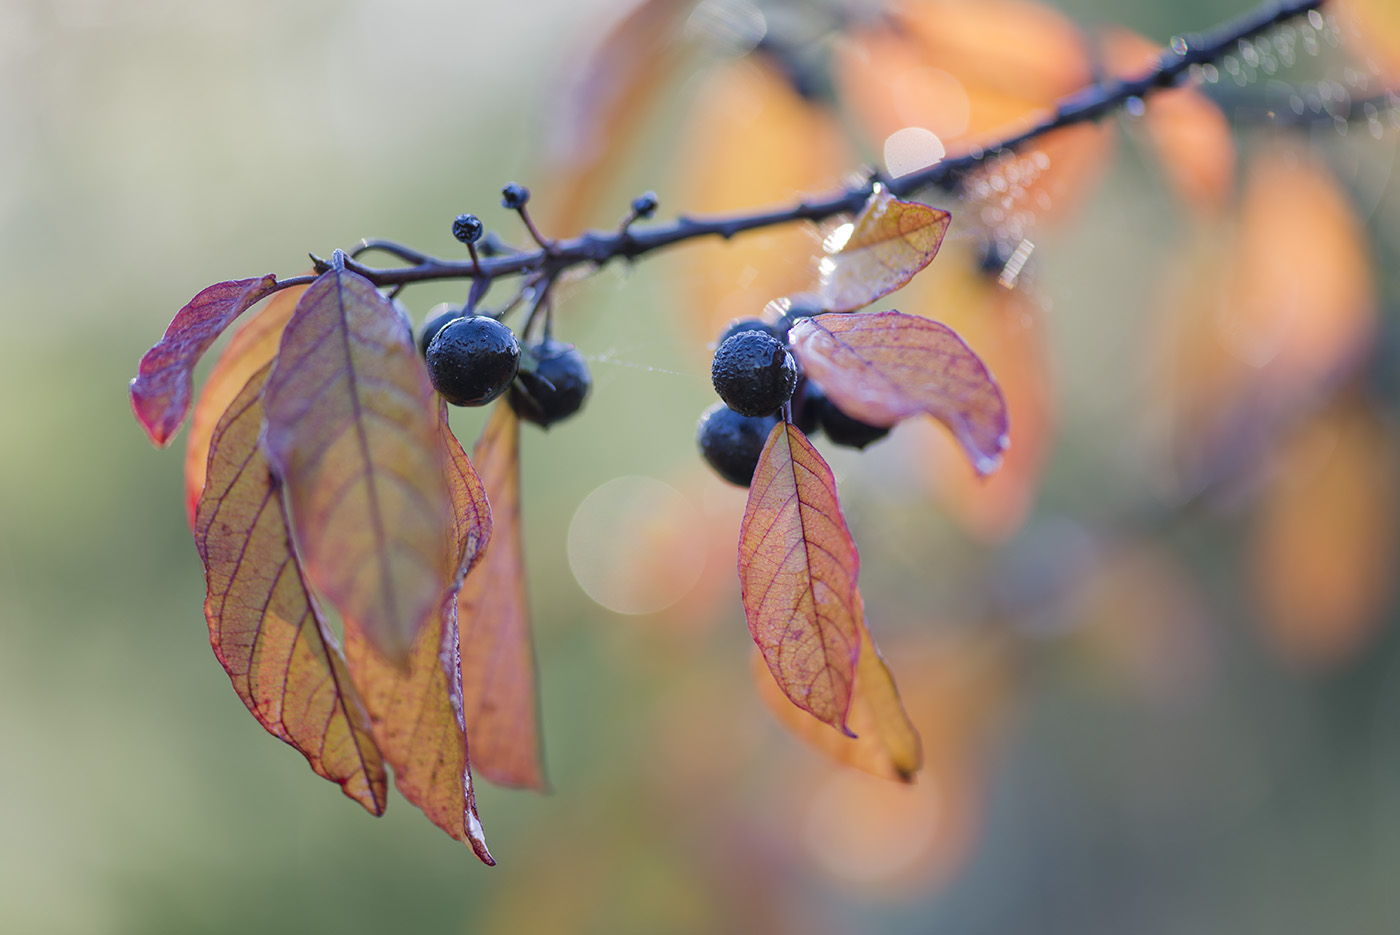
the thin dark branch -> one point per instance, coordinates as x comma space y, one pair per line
1092, 103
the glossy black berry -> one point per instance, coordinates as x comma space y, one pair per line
467, 228
514, 196
844, 430
553, 383
748, 324
808, 404
754, 373
438, 316
731, 443
472, 360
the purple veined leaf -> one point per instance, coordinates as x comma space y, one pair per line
352, 431
164, 382
797, 572
264, 624
887, 244
883, 367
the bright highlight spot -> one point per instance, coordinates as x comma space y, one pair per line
912, 149
635, 545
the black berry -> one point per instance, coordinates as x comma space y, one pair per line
514, 196
844, 430
644, 205
753, 373
553, 383
802, 307
472, 360
808, 404
732, 443
467, 228
748, 324
438, 316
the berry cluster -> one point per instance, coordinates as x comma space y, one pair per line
756, 376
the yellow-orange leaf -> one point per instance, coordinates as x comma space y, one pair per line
797, 573
887, 366
263, 623
498, 660
1374, 27
252, 348
885, 742
889, 242
352, 431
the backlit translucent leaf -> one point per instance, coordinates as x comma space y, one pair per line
890, 242
887, 366
263, 623
352, 430
498, 660
885, 742
797, 573
252, 348
160, 393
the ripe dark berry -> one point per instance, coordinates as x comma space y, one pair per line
644, 205
803, 306
472, 360
554, 381
732, 443
467, 228
808, 404
748, 324
514, 196
753, 373
438, 316
844, 430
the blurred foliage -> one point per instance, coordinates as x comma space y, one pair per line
1155, 664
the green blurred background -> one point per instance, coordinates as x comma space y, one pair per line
150, 148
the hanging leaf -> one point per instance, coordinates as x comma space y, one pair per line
887, 366
797, 573
890, 241
885, 744
252, 348
498, 660
352, 432
160, 393
265, 627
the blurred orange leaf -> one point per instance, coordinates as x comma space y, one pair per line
164, 383
797, 572
883, 367
499, 697
885, 742
1324, 546
264, 624
252, 348
889, 242
352, 433
1376, 29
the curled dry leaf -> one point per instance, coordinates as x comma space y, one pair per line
498, 660
887, 366
352, 431
264, 625
164, 383
885, 742
252, 348
889, 242
797, 574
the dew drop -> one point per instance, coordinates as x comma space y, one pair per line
1135, 107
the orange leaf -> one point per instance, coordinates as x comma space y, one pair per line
263, 623
797, 572
890, 241
352, 432
253, 347
160, 393
1374, 29
885, 742
887, 366
498, 661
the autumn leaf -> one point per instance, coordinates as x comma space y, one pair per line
889, 242
252, 348
498, 660
885, 742
797, 574
264, 625
160, 393
887, 366
352, 432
